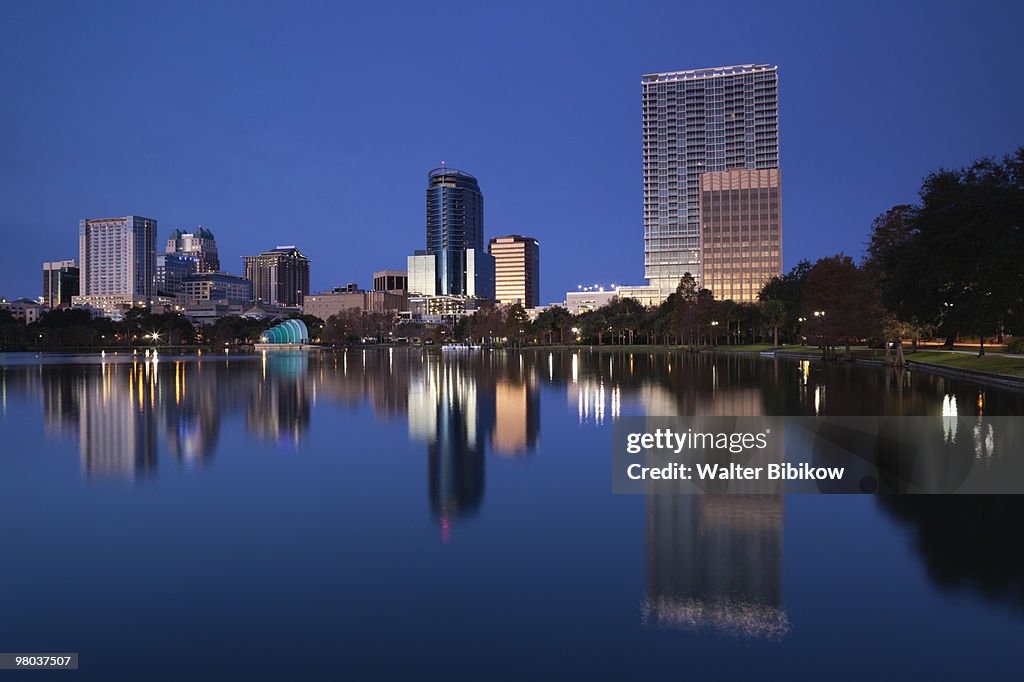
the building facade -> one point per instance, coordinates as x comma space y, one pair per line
171, 271
117, 258
695, 123
216, 286
199, 245
516, 269
325, 304
60, 283
279, 276
741, 231
577, 302
391, 280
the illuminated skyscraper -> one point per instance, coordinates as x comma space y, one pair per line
702, 215
199, 245
117, 257
454, 262
279, 276
516, 270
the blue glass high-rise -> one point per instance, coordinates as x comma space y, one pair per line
455, 223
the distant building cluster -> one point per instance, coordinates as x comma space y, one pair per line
711, 207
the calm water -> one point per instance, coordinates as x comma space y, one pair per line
394, 515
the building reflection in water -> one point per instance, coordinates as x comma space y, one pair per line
461, 404
117, 423
715, 561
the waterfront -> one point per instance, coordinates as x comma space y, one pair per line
392, 514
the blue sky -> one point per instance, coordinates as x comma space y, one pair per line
315, 123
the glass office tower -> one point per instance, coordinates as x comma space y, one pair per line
455, 223
695, 123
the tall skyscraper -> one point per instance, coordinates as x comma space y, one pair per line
60, 283
116, 260
279, 276
455, 224
199, 245
698, 125
516, 270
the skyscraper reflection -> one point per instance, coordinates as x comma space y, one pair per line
117, 423
715, 561
461, 404
452, 408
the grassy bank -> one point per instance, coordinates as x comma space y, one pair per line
992, 364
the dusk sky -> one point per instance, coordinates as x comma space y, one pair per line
315, 123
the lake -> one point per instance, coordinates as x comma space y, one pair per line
402, 515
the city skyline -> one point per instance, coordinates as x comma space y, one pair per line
859, 133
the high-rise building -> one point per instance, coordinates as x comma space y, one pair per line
516, 270
199, 244
116, 260
60, 283
697, 124
455, 224
279, 276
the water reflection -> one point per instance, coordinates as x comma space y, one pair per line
715, 561
712, 562
969, 544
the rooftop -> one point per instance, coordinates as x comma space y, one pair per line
713, 72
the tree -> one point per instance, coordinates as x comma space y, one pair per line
684, 309
773, 313
953, 260
840, 304
553, 320
788, 289
516, 323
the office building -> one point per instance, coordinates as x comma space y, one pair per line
697, 124
577, 302
60, 283
422, 268
117, 257
199, 245
171, 271
742, 231
391, 280
279, 276
216, 286
328, 303
455, 224
516, 270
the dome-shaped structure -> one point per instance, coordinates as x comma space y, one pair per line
288, 332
